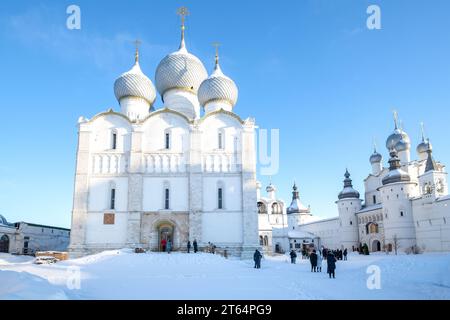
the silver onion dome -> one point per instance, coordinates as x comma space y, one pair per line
180, 70
348, 191
395, 174
218, 87
296, 206
135, 83
270, 187
424, 146
375, 157
399, 139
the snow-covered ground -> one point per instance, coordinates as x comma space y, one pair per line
126, 275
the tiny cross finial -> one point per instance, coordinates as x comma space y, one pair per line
183, 12
423, 131
217, 45
137, 43
395, 118
374, 145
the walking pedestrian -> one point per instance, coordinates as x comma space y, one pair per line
313, 260
189, 246
293, 256
257, 258
331, 265
195, 245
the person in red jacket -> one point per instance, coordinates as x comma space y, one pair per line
163, 245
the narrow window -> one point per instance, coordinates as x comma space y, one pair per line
167, 140
166, 199
114, 141
351, 222
113, 199
401, 213
220, 142
374, 199
220, 198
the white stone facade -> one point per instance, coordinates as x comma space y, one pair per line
27, 238
411, 211
171, 174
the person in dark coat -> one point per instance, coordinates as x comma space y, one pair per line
293, 256
345, 254
324, 253
189, 246
331, 264
195, 246
313, 260
257, 258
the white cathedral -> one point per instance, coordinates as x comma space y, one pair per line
186, 171
406, 207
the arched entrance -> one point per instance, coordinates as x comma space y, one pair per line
376, 246
4, 244
165, 234
277, 248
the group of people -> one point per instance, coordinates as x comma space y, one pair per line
338, 253
166, 245
194, 243
318, 259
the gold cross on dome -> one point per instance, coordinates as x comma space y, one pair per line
217, 45
137, 43
183, 12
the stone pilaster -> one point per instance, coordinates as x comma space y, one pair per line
195, 185
135, 190
249, 199
81, 194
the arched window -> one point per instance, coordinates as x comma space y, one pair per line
262, 208
166, 189
261, 241
4, 244
219, 198
114, 140
220, 195
266, 241
220, 140
167, 140
112, 196
276, 208
371, 228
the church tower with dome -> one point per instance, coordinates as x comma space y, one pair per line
147, 175
405, 206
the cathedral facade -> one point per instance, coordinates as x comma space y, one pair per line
405, 207
184, 172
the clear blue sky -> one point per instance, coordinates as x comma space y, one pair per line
308, 67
